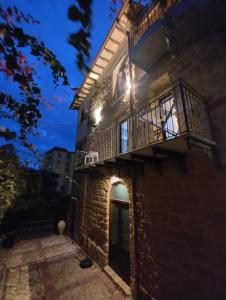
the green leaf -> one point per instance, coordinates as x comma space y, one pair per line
36, 90
74, 13
8, 41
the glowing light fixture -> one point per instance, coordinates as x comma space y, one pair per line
128, 85
97, 115
115, 179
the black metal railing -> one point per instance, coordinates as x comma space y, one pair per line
152, 14
179, 110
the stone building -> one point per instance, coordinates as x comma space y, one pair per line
60, 161
150, 166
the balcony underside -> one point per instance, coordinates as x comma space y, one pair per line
176, 147
151, 47
172, 122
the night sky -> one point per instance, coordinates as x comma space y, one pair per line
58, 124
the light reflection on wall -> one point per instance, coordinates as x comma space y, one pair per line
97, 115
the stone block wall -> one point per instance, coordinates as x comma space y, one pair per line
181, 217
181, 225
181, 230
94, 210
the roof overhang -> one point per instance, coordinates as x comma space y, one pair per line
115, 37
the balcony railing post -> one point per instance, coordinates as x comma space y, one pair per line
181, 87
153, 12
210, 123
131, 96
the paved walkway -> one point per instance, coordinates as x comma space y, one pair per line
48, 268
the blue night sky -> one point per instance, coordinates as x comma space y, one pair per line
58, 125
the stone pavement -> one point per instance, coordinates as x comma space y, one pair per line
48, 268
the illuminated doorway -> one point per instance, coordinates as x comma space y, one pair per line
119, 239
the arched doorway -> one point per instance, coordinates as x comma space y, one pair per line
119, 237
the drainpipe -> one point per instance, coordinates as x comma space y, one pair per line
131, 94
135, 232
133, 179
85, 263
84, 206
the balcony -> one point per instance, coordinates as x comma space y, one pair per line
187, 20
170, 122
147, 41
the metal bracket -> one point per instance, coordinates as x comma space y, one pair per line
179, 158
156, 165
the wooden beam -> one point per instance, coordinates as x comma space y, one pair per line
104, 59
94, 80
90, 78
108, 50
95, 73
86, 89
89, 84
114, 41
120, 29
84, 96
99, 66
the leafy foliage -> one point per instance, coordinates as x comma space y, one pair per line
14, 65
11, 179
40, 196
24, 191
81, 12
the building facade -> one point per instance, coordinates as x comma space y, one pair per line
60, 161
150, 165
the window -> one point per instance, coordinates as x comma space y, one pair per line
120, 75
119, 192
139, 73
81, 116
121, 83
170, 126
124, 138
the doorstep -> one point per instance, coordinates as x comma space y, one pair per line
117, 280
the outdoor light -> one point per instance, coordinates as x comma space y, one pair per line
128, 85
97, 115
115, 179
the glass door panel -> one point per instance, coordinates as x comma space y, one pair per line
125, 228
124, 137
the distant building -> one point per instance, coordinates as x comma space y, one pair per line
61, 162
8, 151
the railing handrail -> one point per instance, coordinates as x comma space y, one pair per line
173, 85
191, 115
145, 16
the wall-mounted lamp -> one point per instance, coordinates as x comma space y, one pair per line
128, 85
97, 115
115, 179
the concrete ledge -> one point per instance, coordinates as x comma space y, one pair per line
117, 280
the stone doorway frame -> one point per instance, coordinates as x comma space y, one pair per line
127, 182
